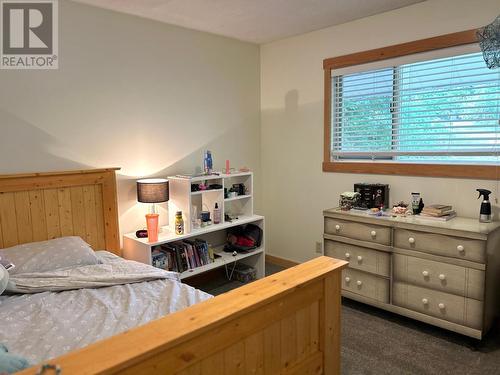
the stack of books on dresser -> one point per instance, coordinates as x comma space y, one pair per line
181, 256
439, 212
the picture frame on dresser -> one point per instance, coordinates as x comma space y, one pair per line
441, 273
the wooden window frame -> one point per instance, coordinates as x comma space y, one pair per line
477, 171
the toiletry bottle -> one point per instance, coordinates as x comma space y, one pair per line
485, 211
210, 162
415, 202
179, 223
207, 163
216, 214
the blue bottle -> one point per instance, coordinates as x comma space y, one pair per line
207, 163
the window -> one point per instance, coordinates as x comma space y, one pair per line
436, 107
444, 110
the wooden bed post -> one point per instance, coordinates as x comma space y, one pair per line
330, 309
110, 202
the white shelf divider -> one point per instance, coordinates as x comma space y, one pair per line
168, 236
199, 192
238, 197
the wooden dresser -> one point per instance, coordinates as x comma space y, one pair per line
442, 273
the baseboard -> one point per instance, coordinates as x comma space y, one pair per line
280, 261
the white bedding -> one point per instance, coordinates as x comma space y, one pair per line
116, 271
44, 325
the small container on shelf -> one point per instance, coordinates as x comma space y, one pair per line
179, 223
348, 200
244, 273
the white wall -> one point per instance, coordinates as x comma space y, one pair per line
295, 190
132, 93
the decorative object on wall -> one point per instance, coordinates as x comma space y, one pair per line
152, 190
489, 41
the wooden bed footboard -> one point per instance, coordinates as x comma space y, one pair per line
287, 323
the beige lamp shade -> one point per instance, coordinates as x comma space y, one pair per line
152, 190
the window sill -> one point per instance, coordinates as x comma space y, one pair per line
485, 172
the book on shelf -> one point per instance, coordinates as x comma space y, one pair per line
445, 217
437, 209
444, 213
181, 256
159, 259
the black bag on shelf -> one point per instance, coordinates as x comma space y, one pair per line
243, 239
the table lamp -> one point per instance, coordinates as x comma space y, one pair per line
152, 190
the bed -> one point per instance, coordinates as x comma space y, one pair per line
288, 323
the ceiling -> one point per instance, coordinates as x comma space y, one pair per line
257, 21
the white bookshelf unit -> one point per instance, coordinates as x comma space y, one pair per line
182, 199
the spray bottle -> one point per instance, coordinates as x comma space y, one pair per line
485, 212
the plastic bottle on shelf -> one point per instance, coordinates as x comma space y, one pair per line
217, 214
207, 163
179, 223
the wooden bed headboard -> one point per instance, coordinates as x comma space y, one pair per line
41, 206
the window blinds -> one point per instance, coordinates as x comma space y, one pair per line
440, 109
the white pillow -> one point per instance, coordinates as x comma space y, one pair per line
4, 279
50, 255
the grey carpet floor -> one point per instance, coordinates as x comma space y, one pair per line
378, 342
219, 285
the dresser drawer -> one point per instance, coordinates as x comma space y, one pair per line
456, 247
456, 309
444, 277
361, 258
366, 285
358, 231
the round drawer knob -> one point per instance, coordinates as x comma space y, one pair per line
359, 283
460, 248
425, 273
425, 301
442, 277
337, 227
347, 279
373, 233
441, 306
360, 258
347, 255
411, 240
